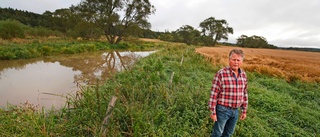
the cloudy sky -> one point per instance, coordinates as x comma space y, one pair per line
284, 23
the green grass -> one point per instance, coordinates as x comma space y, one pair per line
166, 94
12, 50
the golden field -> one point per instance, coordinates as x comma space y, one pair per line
287, 64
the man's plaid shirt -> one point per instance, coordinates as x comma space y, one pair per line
229, 90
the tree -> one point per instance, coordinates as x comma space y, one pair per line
117, 18
167, 36
147, 33
60, 20
253, 42
215, 28
241, 41
24, 17
85, 30
188, 34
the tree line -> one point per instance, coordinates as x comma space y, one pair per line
116, 20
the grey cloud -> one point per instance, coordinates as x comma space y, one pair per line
281, 22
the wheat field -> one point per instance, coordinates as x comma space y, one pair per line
288, 64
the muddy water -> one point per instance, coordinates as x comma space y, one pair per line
45, 82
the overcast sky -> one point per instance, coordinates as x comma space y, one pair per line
284, 23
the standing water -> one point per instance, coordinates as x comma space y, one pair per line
46, 82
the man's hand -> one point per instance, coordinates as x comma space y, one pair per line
243, 116
213, 117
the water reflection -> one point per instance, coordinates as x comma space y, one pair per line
46, 81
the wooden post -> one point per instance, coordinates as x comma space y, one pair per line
181, 60
171, 78
108, 115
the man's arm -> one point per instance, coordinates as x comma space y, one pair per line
244, 106
215, 89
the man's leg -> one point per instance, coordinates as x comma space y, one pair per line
222, 118
231, 124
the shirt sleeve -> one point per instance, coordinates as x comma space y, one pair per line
215, 89
244, 106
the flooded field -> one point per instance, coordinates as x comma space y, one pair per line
45, 82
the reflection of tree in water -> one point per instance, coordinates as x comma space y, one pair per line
60, 71
91, 66
16, 64
95, 67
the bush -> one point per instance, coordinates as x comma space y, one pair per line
46, 50
6, 55
42, 32
23, 53
10, 29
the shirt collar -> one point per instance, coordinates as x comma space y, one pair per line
239, 70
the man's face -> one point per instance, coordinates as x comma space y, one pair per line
235, 62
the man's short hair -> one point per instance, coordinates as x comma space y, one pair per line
236, 51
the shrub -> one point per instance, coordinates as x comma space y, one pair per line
42, 32
46, 50
6, 55
10, 29
22, 53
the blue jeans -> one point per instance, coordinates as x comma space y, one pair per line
226, 121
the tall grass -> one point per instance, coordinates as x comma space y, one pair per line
166, 94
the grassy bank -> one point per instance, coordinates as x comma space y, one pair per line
25, 49
166, 94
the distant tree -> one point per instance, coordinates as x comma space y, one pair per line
47, 19
216, 29
187, 34
24, 17
166, 36
85, 30
117, 18
147, 33
61, 20
253, 42
241, 41
206, 40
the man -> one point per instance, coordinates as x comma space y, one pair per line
228, 94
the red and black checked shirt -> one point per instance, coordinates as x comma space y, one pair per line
227, 90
